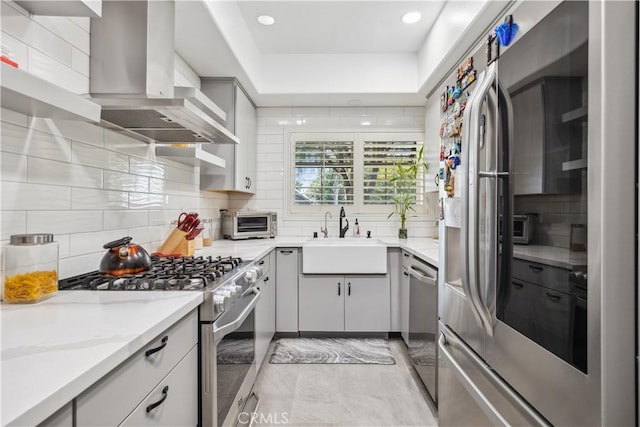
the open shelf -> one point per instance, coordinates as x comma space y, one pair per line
193, 155
27, 94
579, 114
88, 8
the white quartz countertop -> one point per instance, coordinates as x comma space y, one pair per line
55, 349
550, 255
425, 248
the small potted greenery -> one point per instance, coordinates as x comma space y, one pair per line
404, 180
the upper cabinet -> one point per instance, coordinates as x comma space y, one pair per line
548, 135
27, 94
88, 8
240, 171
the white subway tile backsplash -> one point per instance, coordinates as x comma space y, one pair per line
125, 182
86, 243
113, 220
181, 175
66, 29
33, 34
12, 222
146, 201
348, 111
413, 111
146, 168
26, 196
63, 245
274, 111
395, 121
13, 167
60, 73
74, 266
322, 122
118, 142
160, 186
13, 117
18, 49
45, 171
111, 185
86, 198
310, 111
63, 222
384, 111
19, 140
78, 131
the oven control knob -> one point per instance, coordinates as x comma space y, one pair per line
251, 275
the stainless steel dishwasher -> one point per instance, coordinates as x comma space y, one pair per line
423, 323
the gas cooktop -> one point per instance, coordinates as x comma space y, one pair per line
179, 273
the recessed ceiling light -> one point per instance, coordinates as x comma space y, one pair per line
266, 20
411, 17
365, 123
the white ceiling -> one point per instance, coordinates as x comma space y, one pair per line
328, 27
329, 52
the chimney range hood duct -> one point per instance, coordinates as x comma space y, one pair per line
132, 77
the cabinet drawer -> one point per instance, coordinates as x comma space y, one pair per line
264, 263
541, 275
110, 400
174, 402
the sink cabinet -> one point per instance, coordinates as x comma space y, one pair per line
350, 303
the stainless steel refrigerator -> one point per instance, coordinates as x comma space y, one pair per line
537, 278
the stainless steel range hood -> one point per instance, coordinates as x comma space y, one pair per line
132, 77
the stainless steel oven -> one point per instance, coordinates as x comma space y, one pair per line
228, 369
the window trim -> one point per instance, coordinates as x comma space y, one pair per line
358, 138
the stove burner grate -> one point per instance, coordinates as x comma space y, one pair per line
172, 273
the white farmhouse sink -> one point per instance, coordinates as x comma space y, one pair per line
344, 256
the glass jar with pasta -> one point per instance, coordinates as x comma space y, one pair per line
30, 268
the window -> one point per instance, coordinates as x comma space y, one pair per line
352, 169
324, 172
380, 160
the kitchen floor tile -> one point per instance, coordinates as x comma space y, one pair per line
343, 395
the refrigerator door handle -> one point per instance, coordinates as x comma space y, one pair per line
469, 226
448, 340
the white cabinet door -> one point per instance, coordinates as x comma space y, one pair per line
322, 303
287, 289
246, 131
174, 402
367, 303
394, 261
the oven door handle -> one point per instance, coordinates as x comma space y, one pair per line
227, 328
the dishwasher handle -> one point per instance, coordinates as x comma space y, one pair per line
422, 276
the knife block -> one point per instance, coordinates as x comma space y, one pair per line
174, 243
186, 248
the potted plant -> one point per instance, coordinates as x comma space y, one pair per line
404, 180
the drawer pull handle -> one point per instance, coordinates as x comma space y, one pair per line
518, 285
553, 297
405, 273
157, 349
338, 288
261, 262
165, 393
286, 252
349, 289
536, 268
266, 279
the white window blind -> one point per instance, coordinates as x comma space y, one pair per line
324, 172
379, 163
